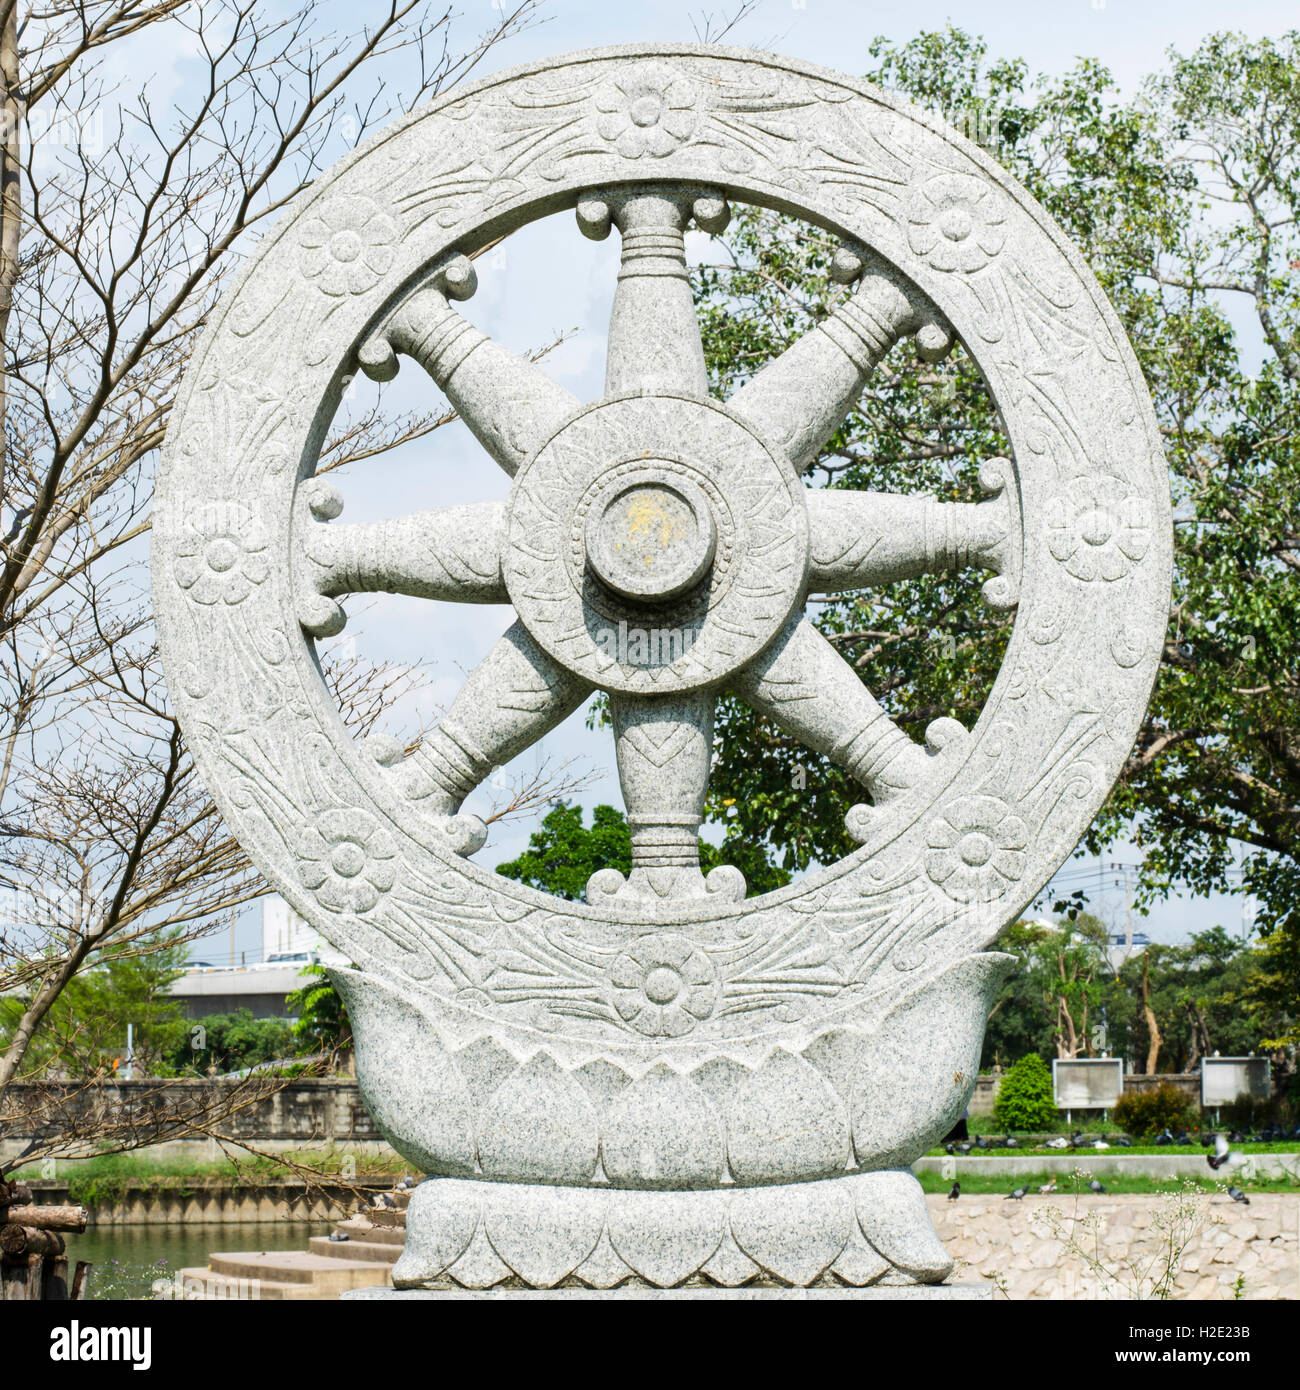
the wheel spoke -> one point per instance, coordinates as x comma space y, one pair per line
799, 400
509, 404
664, 746
510, 700
864, 539
815, 695
452, 553
654, 336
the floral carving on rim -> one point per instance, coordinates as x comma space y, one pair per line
348, 860
220, 554
348, 246
955, 222
976, 849
650, 109
1098, 529
663, 985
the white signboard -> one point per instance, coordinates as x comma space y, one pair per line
1087, 1083
1223, 1079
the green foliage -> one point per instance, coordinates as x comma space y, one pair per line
1185, 200
84, 1034
321, 1016
564, 853
1148, 1112
230, 1042
1024, 1100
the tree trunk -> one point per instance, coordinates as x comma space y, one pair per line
11, 115
1153, 1029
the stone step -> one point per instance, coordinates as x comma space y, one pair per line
372, 1252
360, 1229
203, 1284
326, 1276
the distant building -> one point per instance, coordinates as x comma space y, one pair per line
260, 986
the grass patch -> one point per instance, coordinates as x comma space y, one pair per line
1067, 1184
1038, 1151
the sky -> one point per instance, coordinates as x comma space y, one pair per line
547, 282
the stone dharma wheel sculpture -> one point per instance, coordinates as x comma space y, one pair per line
667, 1081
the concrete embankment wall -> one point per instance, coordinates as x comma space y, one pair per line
275, 1200
1024, 1247
311, 1112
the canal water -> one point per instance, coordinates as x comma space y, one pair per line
127, 1260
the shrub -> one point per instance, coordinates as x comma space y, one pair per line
1148, 1112
1024, 1101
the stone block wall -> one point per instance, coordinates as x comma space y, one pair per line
1014, 1244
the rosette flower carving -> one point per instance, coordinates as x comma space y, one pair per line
1097, 529
348, 246
648, 110
976, 849
955, 222
348, 860
663, 986
221, 554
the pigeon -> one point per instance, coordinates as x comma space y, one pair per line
386, 1201
965, 1148
1047, 1187
1222, 1154
1164, 1137
1010, 1143
408, 1181
337, 1236
955, 1192
1238, 1195
1057, 1143
1100, 1144
1017, 1195
950, 1148
1124, 1141
979, 1142
1182, 1137
1095, 1186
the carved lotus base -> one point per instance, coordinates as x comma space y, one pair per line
861, 1229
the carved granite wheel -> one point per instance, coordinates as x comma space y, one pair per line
658, 545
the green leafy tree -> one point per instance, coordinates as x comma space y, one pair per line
87, 1025
232, 1041
563, 853
1184, 201
1024, 1100
321, 1017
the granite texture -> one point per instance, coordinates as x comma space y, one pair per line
668, 1041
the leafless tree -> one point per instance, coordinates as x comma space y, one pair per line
123, 216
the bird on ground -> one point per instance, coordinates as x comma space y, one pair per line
981, 1142
965, 1148
1206, 1140
1164, 1137
1100, 1144
950, 1148
1222, 1154
1238, 1195
1057, 1143
1010, 1143
337, 1236
954, 1192
1124, 1141
386, 1201
408, 1181
1182, 1137
1016, 1195
1047, 1188
1095, 1186
1077, 1140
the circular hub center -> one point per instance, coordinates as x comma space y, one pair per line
651, 540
